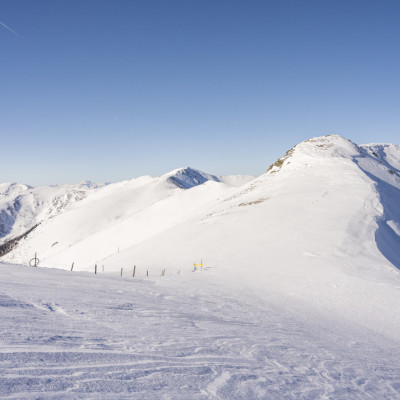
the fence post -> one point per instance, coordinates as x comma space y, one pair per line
134, 271
121, 271
72, 266
147, 273
95, 269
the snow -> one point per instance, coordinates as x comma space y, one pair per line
22, 207
298, 297
79, 335
186, 178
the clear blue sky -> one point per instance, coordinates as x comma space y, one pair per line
113, 89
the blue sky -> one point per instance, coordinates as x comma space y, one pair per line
109, 90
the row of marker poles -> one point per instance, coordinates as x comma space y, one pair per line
122, 270
147, 272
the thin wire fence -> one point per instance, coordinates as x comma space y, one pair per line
133, 271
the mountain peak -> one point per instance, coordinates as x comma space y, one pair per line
186, 177
318, 147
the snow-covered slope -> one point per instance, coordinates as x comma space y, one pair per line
186, 178
22, 207
118, 216
297, 295
388, 154
321, 223
71, 335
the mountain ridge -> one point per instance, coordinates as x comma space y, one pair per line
322, 229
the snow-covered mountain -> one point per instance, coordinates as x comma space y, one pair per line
101, 210
297, 296
325, 210
325, 196
22, 207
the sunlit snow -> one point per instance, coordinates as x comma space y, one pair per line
297, 297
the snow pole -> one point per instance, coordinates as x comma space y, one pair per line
95, 269
194, 266
72, 266
121, 271
134, 271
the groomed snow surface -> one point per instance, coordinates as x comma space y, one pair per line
188, 336
298, 297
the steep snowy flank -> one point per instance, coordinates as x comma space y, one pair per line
389, 154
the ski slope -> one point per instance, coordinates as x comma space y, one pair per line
74, 335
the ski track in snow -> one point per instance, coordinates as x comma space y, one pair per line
74, 335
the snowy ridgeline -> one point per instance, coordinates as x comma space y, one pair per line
299, 297
69, 335
325, 196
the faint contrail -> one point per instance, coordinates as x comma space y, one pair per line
8, 28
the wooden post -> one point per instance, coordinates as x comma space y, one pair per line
121, 271
95, 269
147, 273
134, 271
72, 266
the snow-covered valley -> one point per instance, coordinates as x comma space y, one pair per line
297, 299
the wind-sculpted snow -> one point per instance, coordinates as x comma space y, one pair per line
78, 336
387, 181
